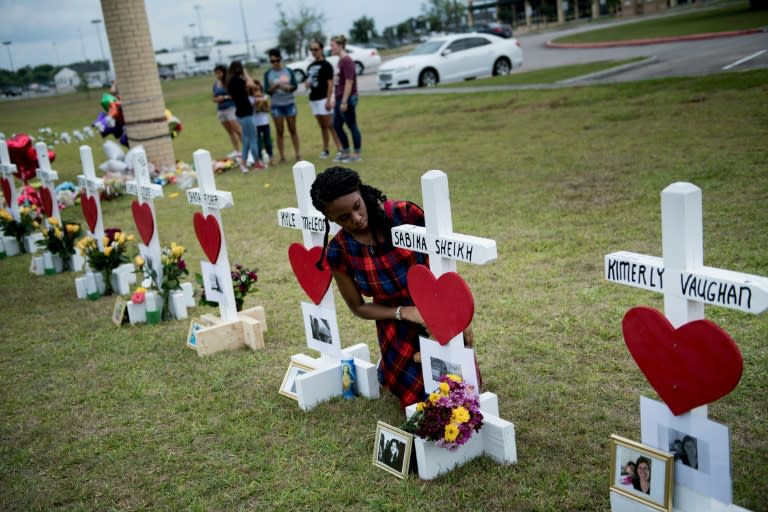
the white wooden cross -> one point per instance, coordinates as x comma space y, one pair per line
212, 201
145, 191
444, 247
324, 382
437, 238
92, 186
48, 176
306, 217
681, 275
687, 285
7, 171
232, 330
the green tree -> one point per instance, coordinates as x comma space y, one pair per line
298, 28
444, 14
363, 30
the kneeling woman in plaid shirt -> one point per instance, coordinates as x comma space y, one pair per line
365, 263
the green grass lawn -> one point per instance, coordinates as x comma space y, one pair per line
735, 16
96, 417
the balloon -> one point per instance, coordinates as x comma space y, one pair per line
113, 151
106, 100
24, 155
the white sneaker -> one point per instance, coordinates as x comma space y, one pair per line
325, 154
340, 157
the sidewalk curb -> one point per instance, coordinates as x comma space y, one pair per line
607, 72
658, 40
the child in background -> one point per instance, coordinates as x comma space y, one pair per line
261, 118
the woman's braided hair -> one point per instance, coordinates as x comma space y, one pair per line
336, 182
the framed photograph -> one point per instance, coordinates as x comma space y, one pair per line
438, 360
642, 473
118, 314
212, 281
321, 329
392, 449
288, 387
700, 447
195, 325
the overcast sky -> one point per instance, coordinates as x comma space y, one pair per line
60, 32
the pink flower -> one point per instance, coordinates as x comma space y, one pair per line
138, 297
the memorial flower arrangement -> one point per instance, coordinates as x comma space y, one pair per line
115, 244
174, 268
60, 240
243, 281
449, 416
29, 220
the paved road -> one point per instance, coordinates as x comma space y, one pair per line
684, 58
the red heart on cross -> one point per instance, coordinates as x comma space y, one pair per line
7, 192
90, 212
208, 234
145, 223
446, 304
690, 366
314, 282
47, 200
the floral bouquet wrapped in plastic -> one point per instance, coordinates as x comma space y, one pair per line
449, 416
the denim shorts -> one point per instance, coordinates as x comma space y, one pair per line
284, 110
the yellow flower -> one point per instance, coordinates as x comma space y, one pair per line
105, 241
140, 289
129, 238
53, 221
138, 261
24, 210
57, 232
121, 238
6, 216
420, 407
453, 377
433, 397
451, 432
444, 388
460, 415
73, 228
107, 250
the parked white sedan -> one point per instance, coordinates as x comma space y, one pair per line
366, 59
451, 58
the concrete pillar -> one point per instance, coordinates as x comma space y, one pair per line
137, 79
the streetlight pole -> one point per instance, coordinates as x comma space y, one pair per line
245, 31
101, 47
199, 22
10, 57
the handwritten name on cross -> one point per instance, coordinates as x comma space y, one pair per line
212, 201
7, 171
306, 217
145, 191
92, 186
681, 275
437, 238
48, 176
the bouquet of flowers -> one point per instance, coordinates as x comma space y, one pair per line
58, 240
449, 416
115, 244
243, 280
174, 268
29, 220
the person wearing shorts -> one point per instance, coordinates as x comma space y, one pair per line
225, 109
280, 84
320, 84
